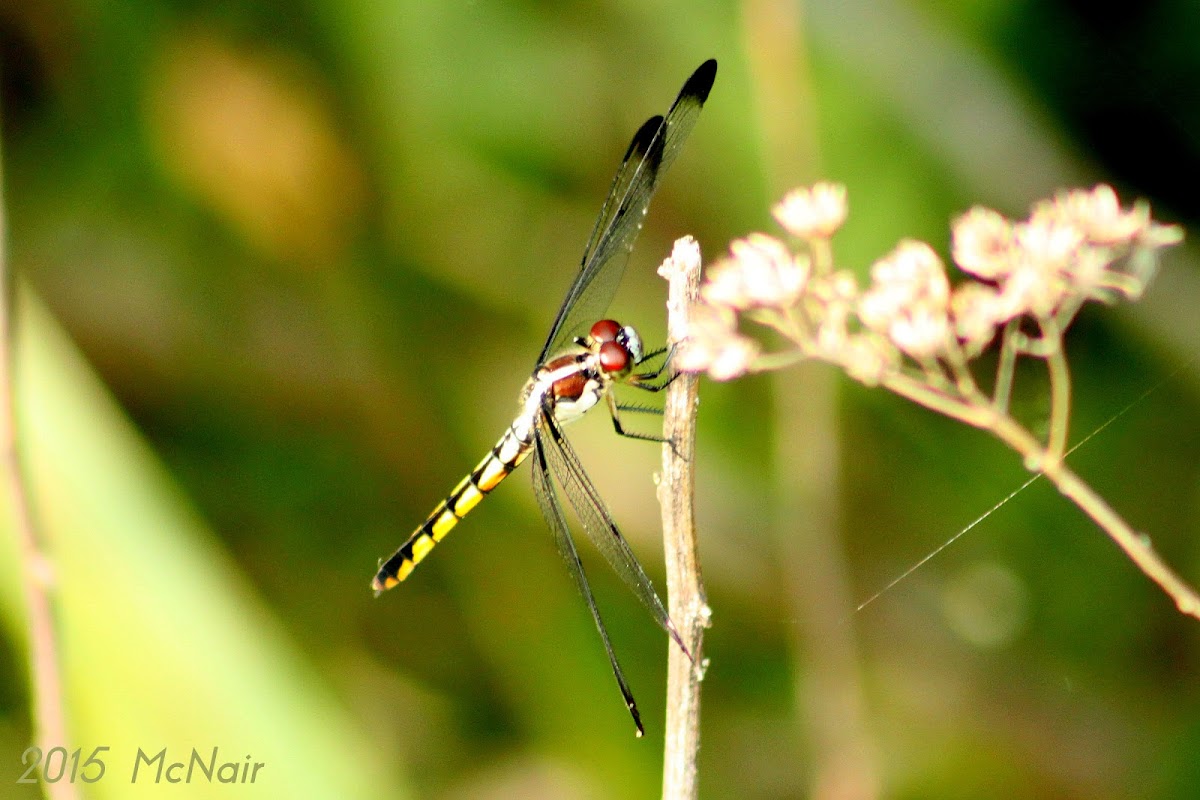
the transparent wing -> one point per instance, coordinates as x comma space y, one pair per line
652, 150
598, 522
547, 500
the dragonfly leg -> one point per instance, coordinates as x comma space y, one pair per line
614, 410
659, 352
644, 382
639, 409
650, 375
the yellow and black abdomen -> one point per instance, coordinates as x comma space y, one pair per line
497, 465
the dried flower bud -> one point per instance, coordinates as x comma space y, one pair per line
1097, 214
1160, 236
909, 299
1040, 279
761, 273
713, 344
868, 358
982, 243
829, 302
977, 311
812, 212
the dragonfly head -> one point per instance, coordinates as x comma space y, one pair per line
619, 347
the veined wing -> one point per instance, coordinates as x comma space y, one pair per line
598, 522
547, 500
650, 153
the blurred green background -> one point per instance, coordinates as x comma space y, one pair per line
285, 267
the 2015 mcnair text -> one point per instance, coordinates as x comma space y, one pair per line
196, 767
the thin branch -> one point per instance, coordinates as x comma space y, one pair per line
1040, 459
1136, 545
685, 588
48, 716
1006, 368
1060, 395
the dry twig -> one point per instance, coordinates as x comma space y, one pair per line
685, 588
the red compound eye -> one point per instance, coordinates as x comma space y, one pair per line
605, 330
613, 357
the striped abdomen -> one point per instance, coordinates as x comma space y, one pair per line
497, 465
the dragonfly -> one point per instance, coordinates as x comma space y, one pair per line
584, 356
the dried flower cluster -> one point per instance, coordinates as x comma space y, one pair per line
916, 333
1077, 247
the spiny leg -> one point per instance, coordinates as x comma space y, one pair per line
614, 410
652, 374
642, 381
645, 380
637, 409
656, 353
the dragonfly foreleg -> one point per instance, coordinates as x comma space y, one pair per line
645, 380
670, 353
659, 352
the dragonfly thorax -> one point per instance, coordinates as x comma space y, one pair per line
572, 383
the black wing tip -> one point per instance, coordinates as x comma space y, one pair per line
644, 136
701, 81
